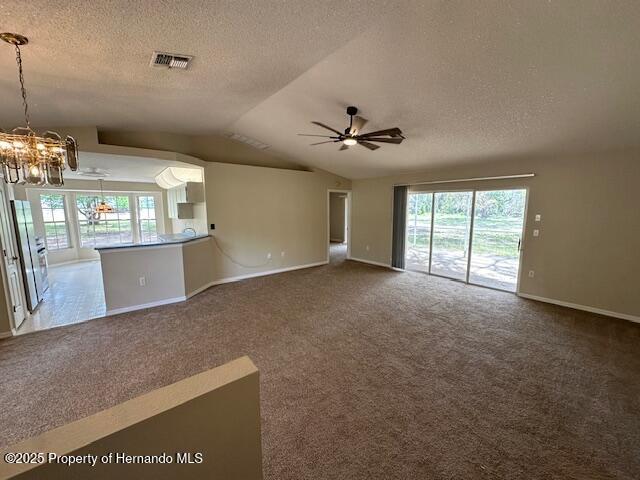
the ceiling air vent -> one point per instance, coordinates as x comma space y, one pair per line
170, 60
252, 142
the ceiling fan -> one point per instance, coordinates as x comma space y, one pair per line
352, 135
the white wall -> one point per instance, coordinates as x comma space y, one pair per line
198, 222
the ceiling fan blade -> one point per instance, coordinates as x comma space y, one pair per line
327, 127
309, 135
392, 132
395, 140
320, 143
343, 147
358, 124
368, 145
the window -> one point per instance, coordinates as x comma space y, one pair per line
105, 228
147, 218
445, 238
55, 221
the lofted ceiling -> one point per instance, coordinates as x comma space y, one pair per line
466, 81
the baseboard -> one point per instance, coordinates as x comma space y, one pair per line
5, 335
370, 262
600, 311
142, 306
167, 301
77, 260
253, 275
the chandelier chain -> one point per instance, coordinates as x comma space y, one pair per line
22, 89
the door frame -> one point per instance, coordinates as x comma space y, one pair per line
471, 227
16, 306
348, 220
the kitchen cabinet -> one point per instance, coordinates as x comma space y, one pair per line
180, 199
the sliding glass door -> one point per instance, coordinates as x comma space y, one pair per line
473, 236
418, 242
497, 228
451, 227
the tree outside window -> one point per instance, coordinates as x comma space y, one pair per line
105, 228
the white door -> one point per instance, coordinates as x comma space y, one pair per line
10, 258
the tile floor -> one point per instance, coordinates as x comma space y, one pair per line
75, 294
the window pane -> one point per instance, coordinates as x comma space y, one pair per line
497, 226
418, 231
55, 221
61, 233
47, 214
147, 218
451, 228
106, 228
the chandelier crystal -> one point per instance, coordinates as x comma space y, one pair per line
27, 157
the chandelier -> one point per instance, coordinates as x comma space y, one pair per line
102, 207
27, 157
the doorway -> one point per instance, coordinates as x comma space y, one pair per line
472, 236
338, 225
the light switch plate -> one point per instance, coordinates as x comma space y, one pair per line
536, 233
538, 217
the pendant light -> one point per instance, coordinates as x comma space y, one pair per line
27, 157
102, 207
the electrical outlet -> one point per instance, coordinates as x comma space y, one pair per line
536, 233
269, 256
538, 217
531, 273
142, 281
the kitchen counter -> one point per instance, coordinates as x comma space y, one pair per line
165, 240
144, 275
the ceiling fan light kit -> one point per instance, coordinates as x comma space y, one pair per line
27, 157
352, 135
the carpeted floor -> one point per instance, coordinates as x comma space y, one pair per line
366, 373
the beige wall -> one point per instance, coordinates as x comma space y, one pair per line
199, 272
587, 251
161, 266
259, 210
211, 148
337, 203
172, 272
215, 413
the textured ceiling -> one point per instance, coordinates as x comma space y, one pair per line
465, 80
87, 62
